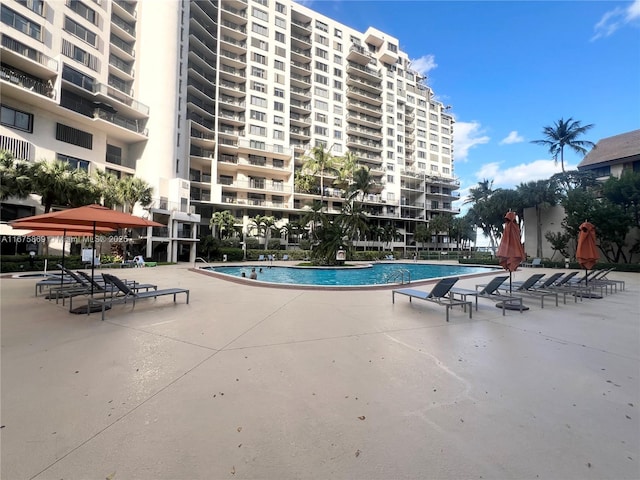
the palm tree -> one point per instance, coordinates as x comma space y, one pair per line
481, 192
134, 190
422, 234
440, 224
540, 194
345, 170
15, 180
354, 221
263, 225
565, 133
316, 217
54, 182
362, 183
108, 186
223, 223
320, 162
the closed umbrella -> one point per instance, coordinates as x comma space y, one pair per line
587, 251
510, 252
93, 216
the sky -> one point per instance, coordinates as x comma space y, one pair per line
510, 68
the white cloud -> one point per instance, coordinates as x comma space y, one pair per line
424, 64
466, 136
513, 137
616, 19
511, 177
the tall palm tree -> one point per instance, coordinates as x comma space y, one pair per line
315, 217
345, 169
565, 133
320, 162
108, 186
135, 190
362, 183
15, 179
54, 182
222, 223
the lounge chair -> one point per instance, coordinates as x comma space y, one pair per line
600, 279
126, 294
104, 288
285, 257
536, 262
389, 257
543, 283
261, 258
490, 291
528, 288
54, 281
437, 295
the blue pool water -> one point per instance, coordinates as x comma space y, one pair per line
375, 274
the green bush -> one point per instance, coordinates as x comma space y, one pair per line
21, 263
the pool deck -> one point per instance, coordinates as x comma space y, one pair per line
251, 382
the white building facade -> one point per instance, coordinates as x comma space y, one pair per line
216, 104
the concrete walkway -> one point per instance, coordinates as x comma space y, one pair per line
250, 382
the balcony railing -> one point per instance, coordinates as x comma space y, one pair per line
129, 124
26, 82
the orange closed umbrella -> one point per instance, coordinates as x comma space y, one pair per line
510, 252
587, 252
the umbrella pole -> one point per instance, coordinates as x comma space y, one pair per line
64, 237
510, 290
93, 258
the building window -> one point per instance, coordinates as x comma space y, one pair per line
74, 136
279, 65
280, 8
73, 162
277, 120
36, 6
322, 53
260, 14
321, 79
278, 135
258, 101
20, 23
114, 155
258, 72
390, 179
256, 57
258, 130
258, 43
260, 116
79, 31
278, 92
281, 22
258, 87
322, 26
321, 130
17, 119
82, 10
259, 29
281, 37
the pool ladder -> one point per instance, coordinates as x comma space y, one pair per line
399, 275
202, 260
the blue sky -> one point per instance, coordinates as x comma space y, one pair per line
510, 68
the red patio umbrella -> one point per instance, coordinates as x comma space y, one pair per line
587, 252
54, 230
93, 216
510, 252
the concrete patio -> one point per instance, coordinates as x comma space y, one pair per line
251, 382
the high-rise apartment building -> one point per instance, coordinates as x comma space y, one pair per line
217, 103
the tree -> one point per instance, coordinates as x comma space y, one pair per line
540, 194
60, 184
565, 134
107, 185
263, 224
320, 162
315, 217
572, 179
361, 186
625, 191
354, 220
15, 179
440, 224
134, 190
422, 234
223, 223
345, 168
462, 230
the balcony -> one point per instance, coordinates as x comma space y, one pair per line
363, 107
365, 120
132, 125
359, 54
27, 59
233, 59
124, 29
26, 82
231, 44
300, 25
303, 40
360, 94
301, 55
230, 29
362, 143
195, 151
364, 71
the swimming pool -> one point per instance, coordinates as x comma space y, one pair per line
358, 276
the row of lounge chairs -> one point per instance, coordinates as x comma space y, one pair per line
104, 292
510, 295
